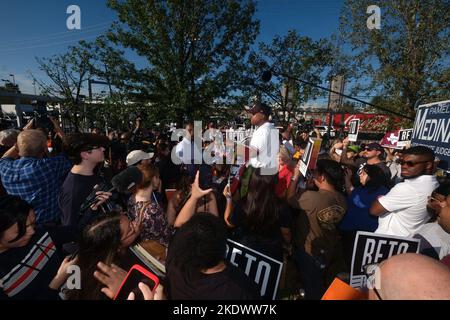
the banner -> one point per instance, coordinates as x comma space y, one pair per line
404, 137
370, 248
390, 140
309, 158
431, 129
353, 129
264, 270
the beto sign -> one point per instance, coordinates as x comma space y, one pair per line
372, 248
264, 270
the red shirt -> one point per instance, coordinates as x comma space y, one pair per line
284, 179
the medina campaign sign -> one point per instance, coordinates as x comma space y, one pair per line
432, 129
264, 270
372, 248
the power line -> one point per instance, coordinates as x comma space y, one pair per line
88, 29
49, 45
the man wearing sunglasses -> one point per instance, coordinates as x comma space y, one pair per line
404, 209
86, 150
371, 154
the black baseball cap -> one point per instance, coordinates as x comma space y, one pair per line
260, 107
78, 142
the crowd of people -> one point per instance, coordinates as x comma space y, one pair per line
62, 207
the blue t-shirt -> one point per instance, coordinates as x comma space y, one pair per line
358, 217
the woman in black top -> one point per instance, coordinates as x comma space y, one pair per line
260, 221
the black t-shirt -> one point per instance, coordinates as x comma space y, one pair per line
26, 272
271, 243
229, 284
76, 188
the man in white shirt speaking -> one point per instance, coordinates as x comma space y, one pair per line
403, 210
265, 142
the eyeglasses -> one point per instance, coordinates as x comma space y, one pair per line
370, 270
411, 163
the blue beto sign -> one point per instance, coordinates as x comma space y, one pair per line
432, 129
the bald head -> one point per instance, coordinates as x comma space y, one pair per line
8, 137
32, 143
413, 277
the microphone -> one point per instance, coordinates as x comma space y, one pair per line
126, 179
121, 182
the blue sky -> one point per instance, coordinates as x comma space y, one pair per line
32, 28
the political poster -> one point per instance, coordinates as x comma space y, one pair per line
309, 158
264, 270
353, 129
390, 140
373, 248
432, 129
404, 137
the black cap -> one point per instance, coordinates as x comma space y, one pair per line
260, 107
78, 142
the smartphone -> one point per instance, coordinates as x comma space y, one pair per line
136, 274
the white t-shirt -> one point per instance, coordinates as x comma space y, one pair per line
186, 152
406, 203
267, 145
436, 237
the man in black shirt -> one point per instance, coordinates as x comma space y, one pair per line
86, 150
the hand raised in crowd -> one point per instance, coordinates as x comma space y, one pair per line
56, 126
197, 192
227, 192
297, 172
111, 276
102, 197
29, 125
148, 294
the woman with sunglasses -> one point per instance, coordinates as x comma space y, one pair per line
373, 184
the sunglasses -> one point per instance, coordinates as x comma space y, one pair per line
410, 163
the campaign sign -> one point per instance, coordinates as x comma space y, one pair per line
390, 140
309, 158
353, 130
404, 137
432, 129
264, 270
372, 248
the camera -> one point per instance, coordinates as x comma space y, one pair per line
41, 116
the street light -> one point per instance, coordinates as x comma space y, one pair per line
14, 79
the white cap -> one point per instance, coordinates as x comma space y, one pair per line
138, 155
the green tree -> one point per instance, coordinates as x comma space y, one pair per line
407, 58
193, 50
68, 74
291, 55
